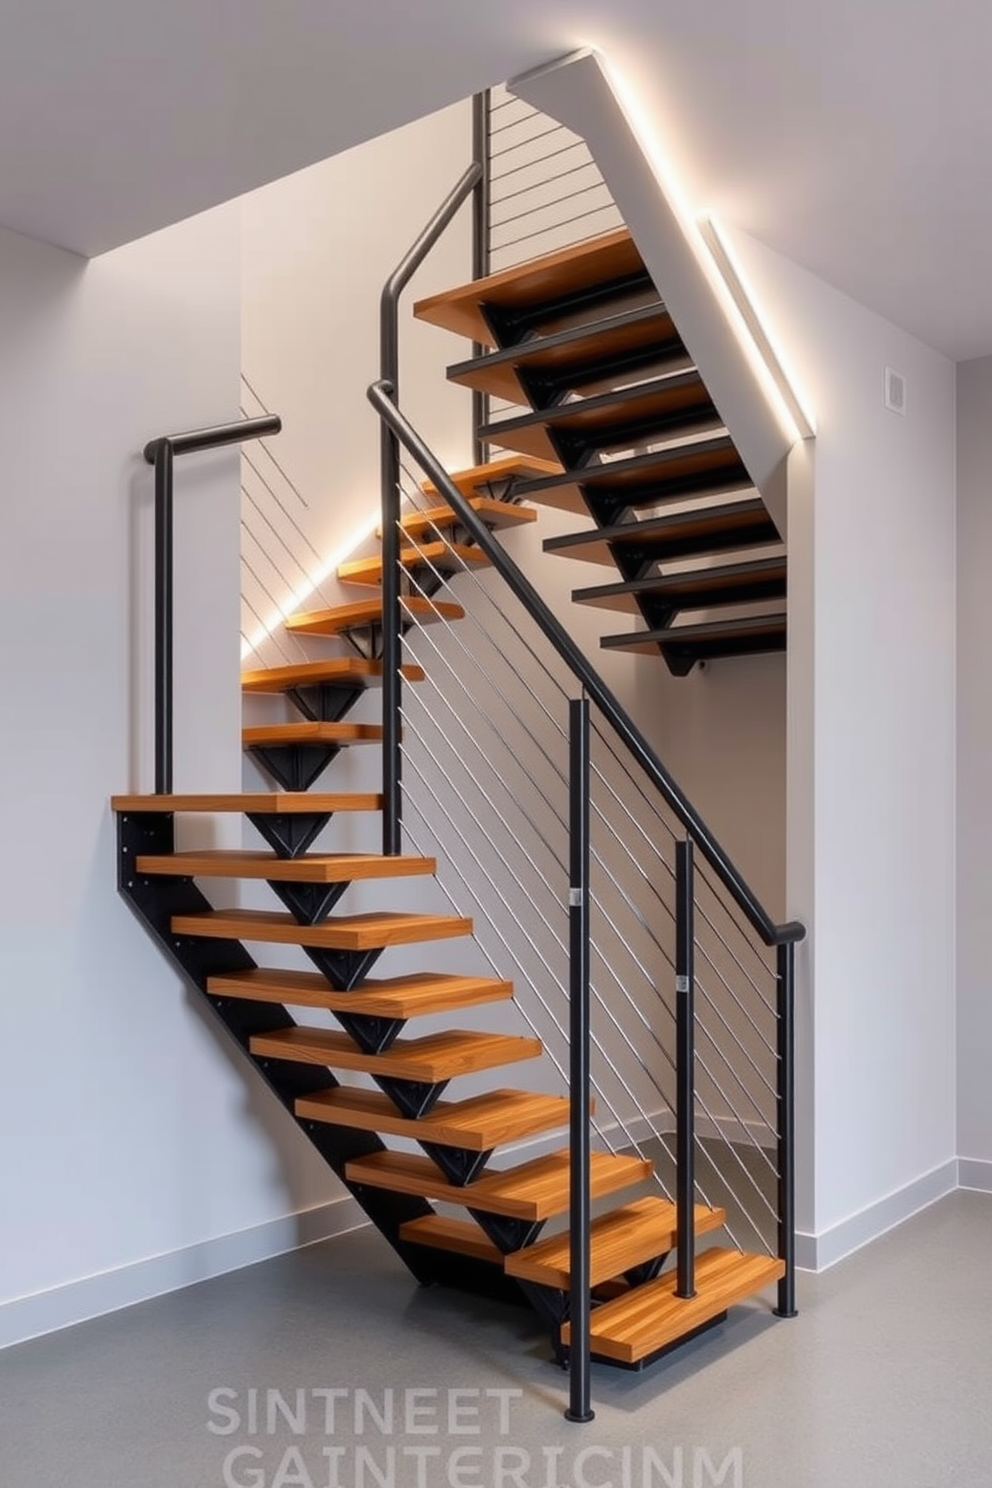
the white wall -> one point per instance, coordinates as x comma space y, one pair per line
317, 249
876, 616
974, 395
133, 1144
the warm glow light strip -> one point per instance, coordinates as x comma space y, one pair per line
744, 297
297, 598
791, 408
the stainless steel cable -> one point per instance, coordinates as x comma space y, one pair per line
540, 232
534, 113
530, 140
555, 201
317, 586
538, 160
602, 908
604, 1002
547, 924
280, 610
551, 973
539, 185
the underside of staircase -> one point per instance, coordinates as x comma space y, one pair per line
606, 418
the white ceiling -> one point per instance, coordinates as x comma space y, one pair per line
854, 136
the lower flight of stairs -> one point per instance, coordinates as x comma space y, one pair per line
370, 1078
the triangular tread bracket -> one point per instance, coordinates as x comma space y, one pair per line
308, 903
294, 766
343, 969
458, 1164
324, 702
289, 833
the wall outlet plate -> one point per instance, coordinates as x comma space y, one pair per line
895, 391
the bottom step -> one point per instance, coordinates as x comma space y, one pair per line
651, 1317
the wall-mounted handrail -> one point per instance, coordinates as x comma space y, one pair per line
161, 452
389, 363
380, 395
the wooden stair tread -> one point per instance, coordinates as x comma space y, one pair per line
677, 470
533, 1191
623, 1238
678, 399
497, 471
321, 868
647, 642
255, 803
580, 266
650, 1317
460, 1236
360, 932
696, 588
448, 557
429, 1059
362, 612
357, 670
478, 1124
311, 733
495, 514
379, 997
571, 356
738, 524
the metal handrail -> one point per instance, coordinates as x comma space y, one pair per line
161, 452
389, 362
380, 395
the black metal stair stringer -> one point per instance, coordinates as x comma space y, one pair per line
155, 900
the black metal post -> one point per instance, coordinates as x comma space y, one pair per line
161, 453
389, 361
579, 1083
481, 243
685, 1082
163, 617
392, 681
786, 1103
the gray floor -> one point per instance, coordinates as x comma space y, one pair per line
884, 1381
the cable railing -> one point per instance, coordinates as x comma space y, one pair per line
687, 1070
657, 984
493, 763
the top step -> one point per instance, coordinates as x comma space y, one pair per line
608, 260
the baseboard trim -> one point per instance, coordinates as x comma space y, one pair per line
975, 1173
821, 1251
29, 1317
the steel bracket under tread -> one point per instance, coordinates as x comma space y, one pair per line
544, 389
373, 1035
308, 903
550, 1304
512, 326
289, 833
324, 702
412, 1098
459, 1165
294, 766
646, 1271
155, 900
507, 1234
343, 969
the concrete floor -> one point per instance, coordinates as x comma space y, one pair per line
884, 1381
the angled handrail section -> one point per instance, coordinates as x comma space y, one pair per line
380, 395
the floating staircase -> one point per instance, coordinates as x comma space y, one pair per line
582, 340
621, 431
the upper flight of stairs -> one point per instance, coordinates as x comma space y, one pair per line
632, 442
593, 349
